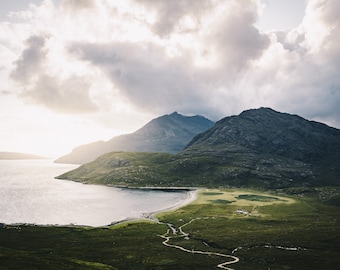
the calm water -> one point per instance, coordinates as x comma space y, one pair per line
30, 194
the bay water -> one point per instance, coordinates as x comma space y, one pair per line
29, 193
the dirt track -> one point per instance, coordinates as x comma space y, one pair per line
183, 234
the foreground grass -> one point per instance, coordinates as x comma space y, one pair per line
273, 232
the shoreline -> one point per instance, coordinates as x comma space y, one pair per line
192, 195
164, 189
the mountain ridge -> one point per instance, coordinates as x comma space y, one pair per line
168, 133
259, 148
267, 130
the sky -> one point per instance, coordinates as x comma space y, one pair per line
73, 72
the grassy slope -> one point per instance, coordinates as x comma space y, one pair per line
160, 169
304, 222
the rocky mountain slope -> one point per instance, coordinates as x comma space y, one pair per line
168, 133
267, 131
258, 148
271, 145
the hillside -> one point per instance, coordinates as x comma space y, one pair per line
15, 155
267, 131
258, 148
168, 134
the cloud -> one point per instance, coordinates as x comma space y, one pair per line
223, 31
170, 15
31, 59
67, 95
309, 60
197, 57
234, 36
5, 93
76, 5
147, 75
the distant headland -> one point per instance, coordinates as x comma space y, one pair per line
16, 155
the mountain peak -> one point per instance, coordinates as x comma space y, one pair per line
258, 148
265, 127
167, 133
267, 135
261, 110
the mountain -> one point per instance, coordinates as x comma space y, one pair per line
267, 131
273, 146
15, 155
168, 133
259, 148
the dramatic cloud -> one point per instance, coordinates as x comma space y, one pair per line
114, 61
31, 60
146, 76
234, 36
177, 15
186, 71
306, 62
68, 95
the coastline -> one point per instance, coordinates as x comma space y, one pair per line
192, 195
164, 189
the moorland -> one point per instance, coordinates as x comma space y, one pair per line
291, 229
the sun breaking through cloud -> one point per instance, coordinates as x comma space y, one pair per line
142, 58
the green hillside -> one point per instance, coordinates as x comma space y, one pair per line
259, 148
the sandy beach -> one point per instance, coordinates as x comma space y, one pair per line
191, 197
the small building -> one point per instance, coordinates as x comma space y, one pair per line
241, 211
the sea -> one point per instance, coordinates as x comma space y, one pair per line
29, 193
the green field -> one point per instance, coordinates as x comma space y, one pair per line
264, 230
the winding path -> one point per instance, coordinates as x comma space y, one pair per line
186, 235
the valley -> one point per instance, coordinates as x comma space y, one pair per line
277, 230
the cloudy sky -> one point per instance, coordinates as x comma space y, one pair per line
74, 72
